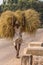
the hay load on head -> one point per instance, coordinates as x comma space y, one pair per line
28, 20
32, 21
19, 16
7, 21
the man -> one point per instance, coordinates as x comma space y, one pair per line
18, 38
18, 45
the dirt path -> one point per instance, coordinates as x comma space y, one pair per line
7, 51
13, 61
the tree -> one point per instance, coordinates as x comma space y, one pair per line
41, 12
16, 1
4, 1
31, 2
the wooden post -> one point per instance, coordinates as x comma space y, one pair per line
26, 60
31, 57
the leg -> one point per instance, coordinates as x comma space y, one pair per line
31, 57
18, 48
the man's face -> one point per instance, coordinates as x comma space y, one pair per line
17, 25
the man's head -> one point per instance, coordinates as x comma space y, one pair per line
17, 24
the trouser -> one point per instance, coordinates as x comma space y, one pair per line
17, 47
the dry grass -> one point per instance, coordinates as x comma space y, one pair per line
19, 16
32, 20
28, 20
6, 24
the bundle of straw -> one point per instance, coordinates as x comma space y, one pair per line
6, 24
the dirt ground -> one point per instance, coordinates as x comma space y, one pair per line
7, 50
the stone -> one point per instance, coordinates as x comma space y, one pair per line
26, 59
